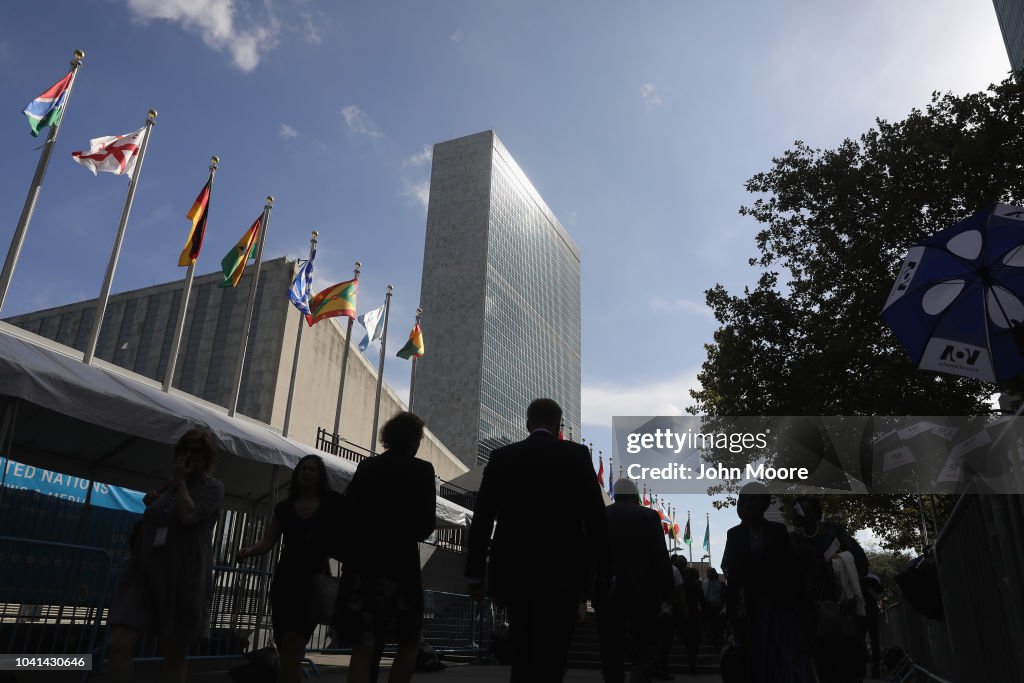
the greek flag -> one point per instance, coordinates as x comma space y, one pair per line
302, 287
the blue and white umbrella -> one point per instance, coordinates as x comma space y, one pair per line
958, 301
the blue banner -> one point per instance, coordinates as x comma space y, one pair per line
67, 487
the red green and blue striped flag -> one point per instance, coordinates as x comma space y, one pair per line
46, 109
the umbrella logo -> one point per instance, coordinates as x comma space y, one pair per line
962, 355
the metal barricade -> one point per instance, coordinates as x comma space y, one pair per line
239, 618
452, 624
52, 596
926, 641
981, 570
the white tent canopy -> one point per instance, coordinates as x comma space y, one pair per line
107, 424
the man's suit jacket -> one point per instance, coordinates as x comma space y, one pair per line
767, 575
640, 562
542, 500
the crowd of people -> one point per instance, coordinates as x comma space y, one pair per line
792, 609
166, 587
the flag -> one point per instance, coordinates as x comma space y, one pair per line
197, 214
112, 154
46, 109
302, 287
600, 471
373, 321
233, 263
686, 533
707, 537
336, 300
414, 347
561, 430
647, 501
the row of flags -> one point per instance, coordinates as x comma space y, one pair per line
117, 154
123, 155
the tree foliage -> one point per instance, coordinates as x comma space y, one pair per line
836, 223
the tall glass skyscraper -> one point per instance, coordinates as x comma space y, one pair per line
1011, 24
500, 298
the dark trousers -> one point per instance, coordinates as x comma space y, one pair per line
626, 630
541, 625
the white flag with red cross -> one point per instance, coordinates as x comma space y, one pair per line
112, 154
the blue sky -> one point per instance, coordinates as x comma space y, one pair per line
637, 122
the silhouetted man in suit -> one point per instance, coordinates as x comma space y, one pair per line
642, 585
550, 541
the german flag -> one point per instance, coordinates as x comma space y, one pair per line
197, 214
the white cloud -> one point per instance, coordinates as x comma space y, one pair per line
665, 397
457, 36
420, 191
420, 158
287, 132
359, 123
651, 95
684, 305
215, 21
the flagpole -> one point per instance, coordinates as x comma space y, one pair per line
380, 371
412, 377
344, 366
262, 237
186, 292
115, 252
295, 359
707, 532
34, 189
691, 536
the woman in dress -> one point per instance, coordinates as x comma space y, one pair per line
304, 520
390, 507
168, 584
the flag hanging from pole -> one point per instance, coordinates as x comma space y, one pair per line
197, 214
233, 263
600, 471
647, 501
46, 109
707, 537
373, 321
686, 532
112, 154
414, 347
302, 287
336, 300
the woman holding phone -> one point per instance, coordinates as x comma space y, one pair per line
167, 585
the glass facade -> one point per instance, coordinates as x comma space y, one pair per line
531, 326
1011, 23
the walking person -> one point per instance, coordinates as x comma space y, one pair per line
543, 563
696, 614
388, 507
167, 586
714, 600
759, 565
304, 519
642, 584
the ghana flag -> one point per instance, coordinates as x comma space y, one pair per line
197, 214
339, 299
233, 264
414, 347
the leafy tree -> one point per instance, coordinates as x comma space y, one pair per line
836, 223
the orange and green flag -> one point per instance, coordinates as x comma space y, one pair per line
197, 214
414, 347
339, 299
234, 262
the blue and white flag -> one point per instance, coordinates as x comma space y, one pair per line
302, 287
373, 321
